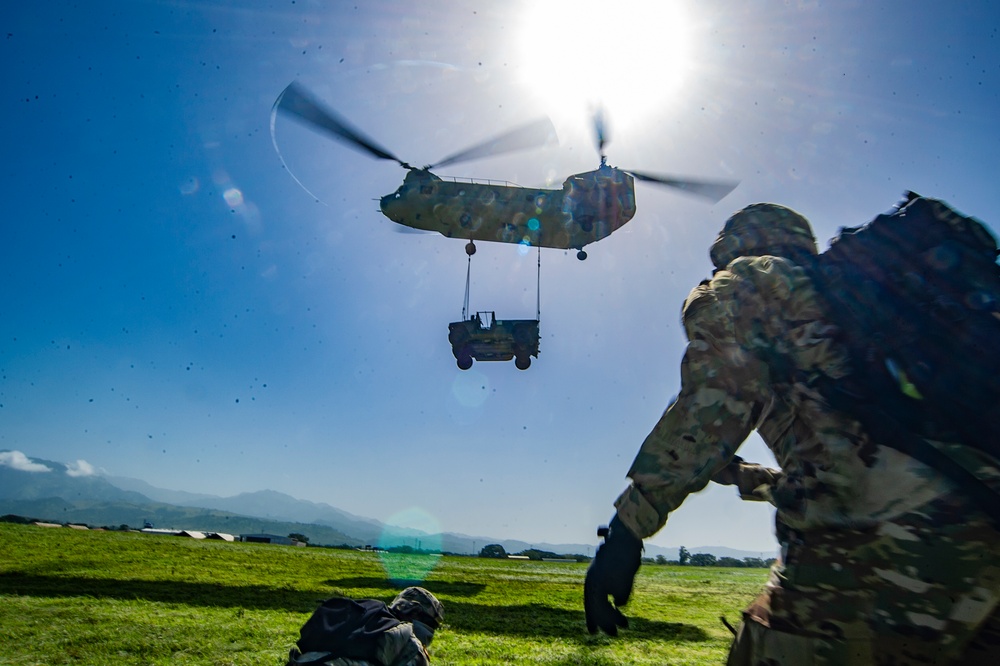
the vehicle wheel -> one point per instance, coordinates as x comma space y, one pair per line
581, 255
522, 362
464, 362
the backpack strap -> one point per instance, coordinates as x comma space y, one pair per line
886, 430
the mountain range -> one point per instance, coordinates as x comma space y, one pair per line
65, 493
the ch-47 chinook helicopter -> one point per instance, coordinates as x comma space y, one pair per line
590, 206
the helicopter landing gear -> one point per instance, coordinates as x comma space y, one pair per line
470, 248
581, 255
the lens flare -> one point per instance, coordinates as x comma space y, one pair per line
233, 197
410, 546
471, 388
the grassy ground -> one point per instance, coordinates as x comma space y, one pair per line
75, 597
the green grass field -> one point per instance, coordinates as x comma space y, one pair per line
89, 597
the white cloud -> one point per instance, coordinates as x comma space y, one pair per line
19, 461
80, 468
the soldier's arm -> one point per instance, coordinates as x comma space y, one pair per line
753, 482
399, 646
720, 402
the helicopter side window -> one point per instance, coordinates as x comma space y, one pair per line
426, 189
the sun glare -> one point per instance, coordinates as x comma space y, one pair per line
627, 57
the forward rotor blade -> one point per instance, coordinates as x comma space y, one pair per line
600, 130
715, 191
298, 103
532, 135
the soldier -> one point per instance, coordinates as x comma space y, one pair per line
883, 559
343, 632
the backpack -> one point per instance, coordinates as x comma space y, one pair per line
345, 628
916, 296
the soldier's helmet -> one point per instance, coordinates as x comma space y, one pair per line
417, 605
761, 229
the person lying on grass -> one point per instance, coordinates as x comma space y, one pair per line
367, 632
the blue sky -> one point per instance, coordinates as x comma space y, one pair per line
175, 307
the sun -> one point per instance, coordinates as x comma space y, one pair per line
628, 57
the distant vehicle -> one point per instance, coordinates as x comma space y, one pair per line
483, 337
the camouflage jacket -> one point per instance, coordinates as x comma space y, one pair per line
756, 340
398, 646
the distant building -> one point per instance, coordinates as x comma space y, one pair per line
193, 534
220, 536
267, 538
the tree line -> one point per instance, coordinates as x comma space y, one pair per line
684, 558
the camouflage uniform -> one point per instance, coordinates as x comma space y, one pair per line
883, 561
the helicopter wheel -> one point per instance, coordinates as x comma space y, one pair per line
581, 255
470, 248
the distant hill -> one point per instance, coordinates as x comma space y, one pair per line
66, 494
59, 481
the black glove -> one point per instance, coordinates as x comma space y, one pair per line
612, 572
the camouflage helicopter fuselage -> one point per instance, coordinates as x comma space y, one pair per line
590, 206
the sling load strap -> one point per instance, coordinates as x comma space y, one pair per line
465, 305
538, 287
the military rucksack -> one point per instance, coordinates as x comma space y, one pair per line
916, 296
345, 628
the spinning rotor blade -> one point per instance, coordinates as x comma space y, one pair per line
297, 102
531, 135
600, 131
712, 190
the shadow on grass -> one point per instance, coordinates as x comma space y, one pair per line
451, 588
534, 620
258, 597
530, 620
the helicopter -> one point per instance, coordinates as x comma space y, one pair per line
589, 207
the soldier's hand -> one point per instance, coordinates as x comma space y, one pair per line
611, 573
730, 474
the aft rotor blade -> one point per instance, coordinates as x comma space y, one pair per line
298, 103
712, 190
532, 135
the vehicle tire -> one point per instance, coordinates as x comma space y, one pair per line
522, 362
464, 362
